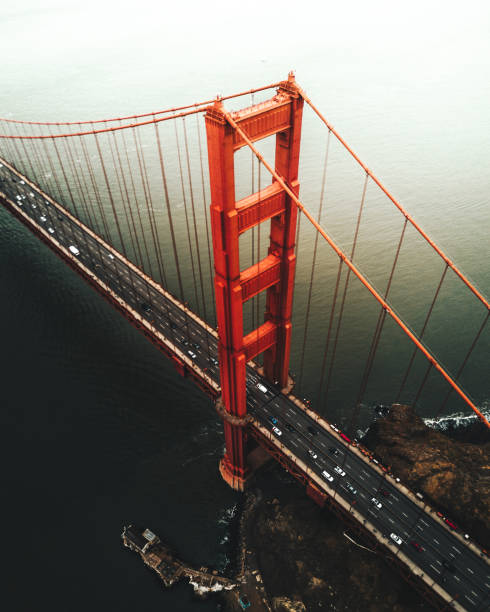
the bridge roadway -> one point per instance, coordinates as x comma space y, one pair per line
445, 560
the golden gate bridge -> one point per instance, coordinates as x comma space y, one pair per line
165, 218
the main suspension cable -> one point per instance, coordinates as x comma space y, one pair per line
357, 272
465, 280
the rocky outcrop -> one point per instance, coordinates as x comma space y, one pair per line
308, 564
454, 476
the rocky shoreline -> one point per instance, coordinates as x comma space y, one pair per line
307, 559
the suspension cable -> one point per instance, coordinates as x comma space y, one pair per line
184, 200
376, 337
196, 235
161, 112
205, 209
104, 130
127, 207
441, 254
344, 294
465, 360
422, 331
308, 303
357, 272
149, 204
138, 211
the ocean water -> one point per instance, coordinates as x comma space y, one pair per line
97, 428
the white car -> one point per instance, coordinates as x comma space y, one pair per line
192, 354
327, 476
277, 431
312, 453
378, 504
111, 256
262, 387
334, 428
74, 250
43, 219
396, 538
50, 230
339, 470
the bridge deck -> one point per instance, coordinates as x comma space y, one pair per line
451, 566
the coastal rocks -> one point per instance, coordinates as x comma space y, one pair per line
454, 476
283, 604
308, 564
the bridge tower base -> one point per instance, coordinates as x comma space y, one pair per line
281, 117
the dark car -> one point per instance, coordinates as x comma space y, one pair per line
384, 492
334, 451
312, 430
289, 427
448, 565
244, 602
417, 546
145, 307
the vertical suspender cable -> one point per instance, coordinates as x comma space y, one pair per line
344, 294
88, 199
172, 230
196, 235
169, 213
184, 200
124, 202
81, 192
95, 188
138, 255
111, 199
136, 203
376, 337
429, 312
465, 360
151, 214
137, 148
308, 303
205, 211
329, 332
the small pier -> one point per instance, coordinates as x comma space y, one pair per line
163, 561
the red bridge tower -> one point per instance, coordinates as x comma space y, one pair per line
281, 115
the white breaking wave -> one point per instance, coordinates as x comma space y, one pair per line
457, 419
202, 590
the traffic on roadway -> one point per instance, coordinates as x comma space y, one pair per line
444, 557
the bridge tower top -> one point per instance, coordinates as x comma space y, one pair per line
281, 116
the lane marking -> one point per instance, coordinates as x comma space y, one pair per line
435, 568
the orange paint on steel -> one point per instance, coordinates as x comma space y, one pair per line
161, 112
470, 286
101, 131
359, 275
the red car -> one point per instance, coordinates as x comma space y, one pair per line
451, 524
417, 546
345, 438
